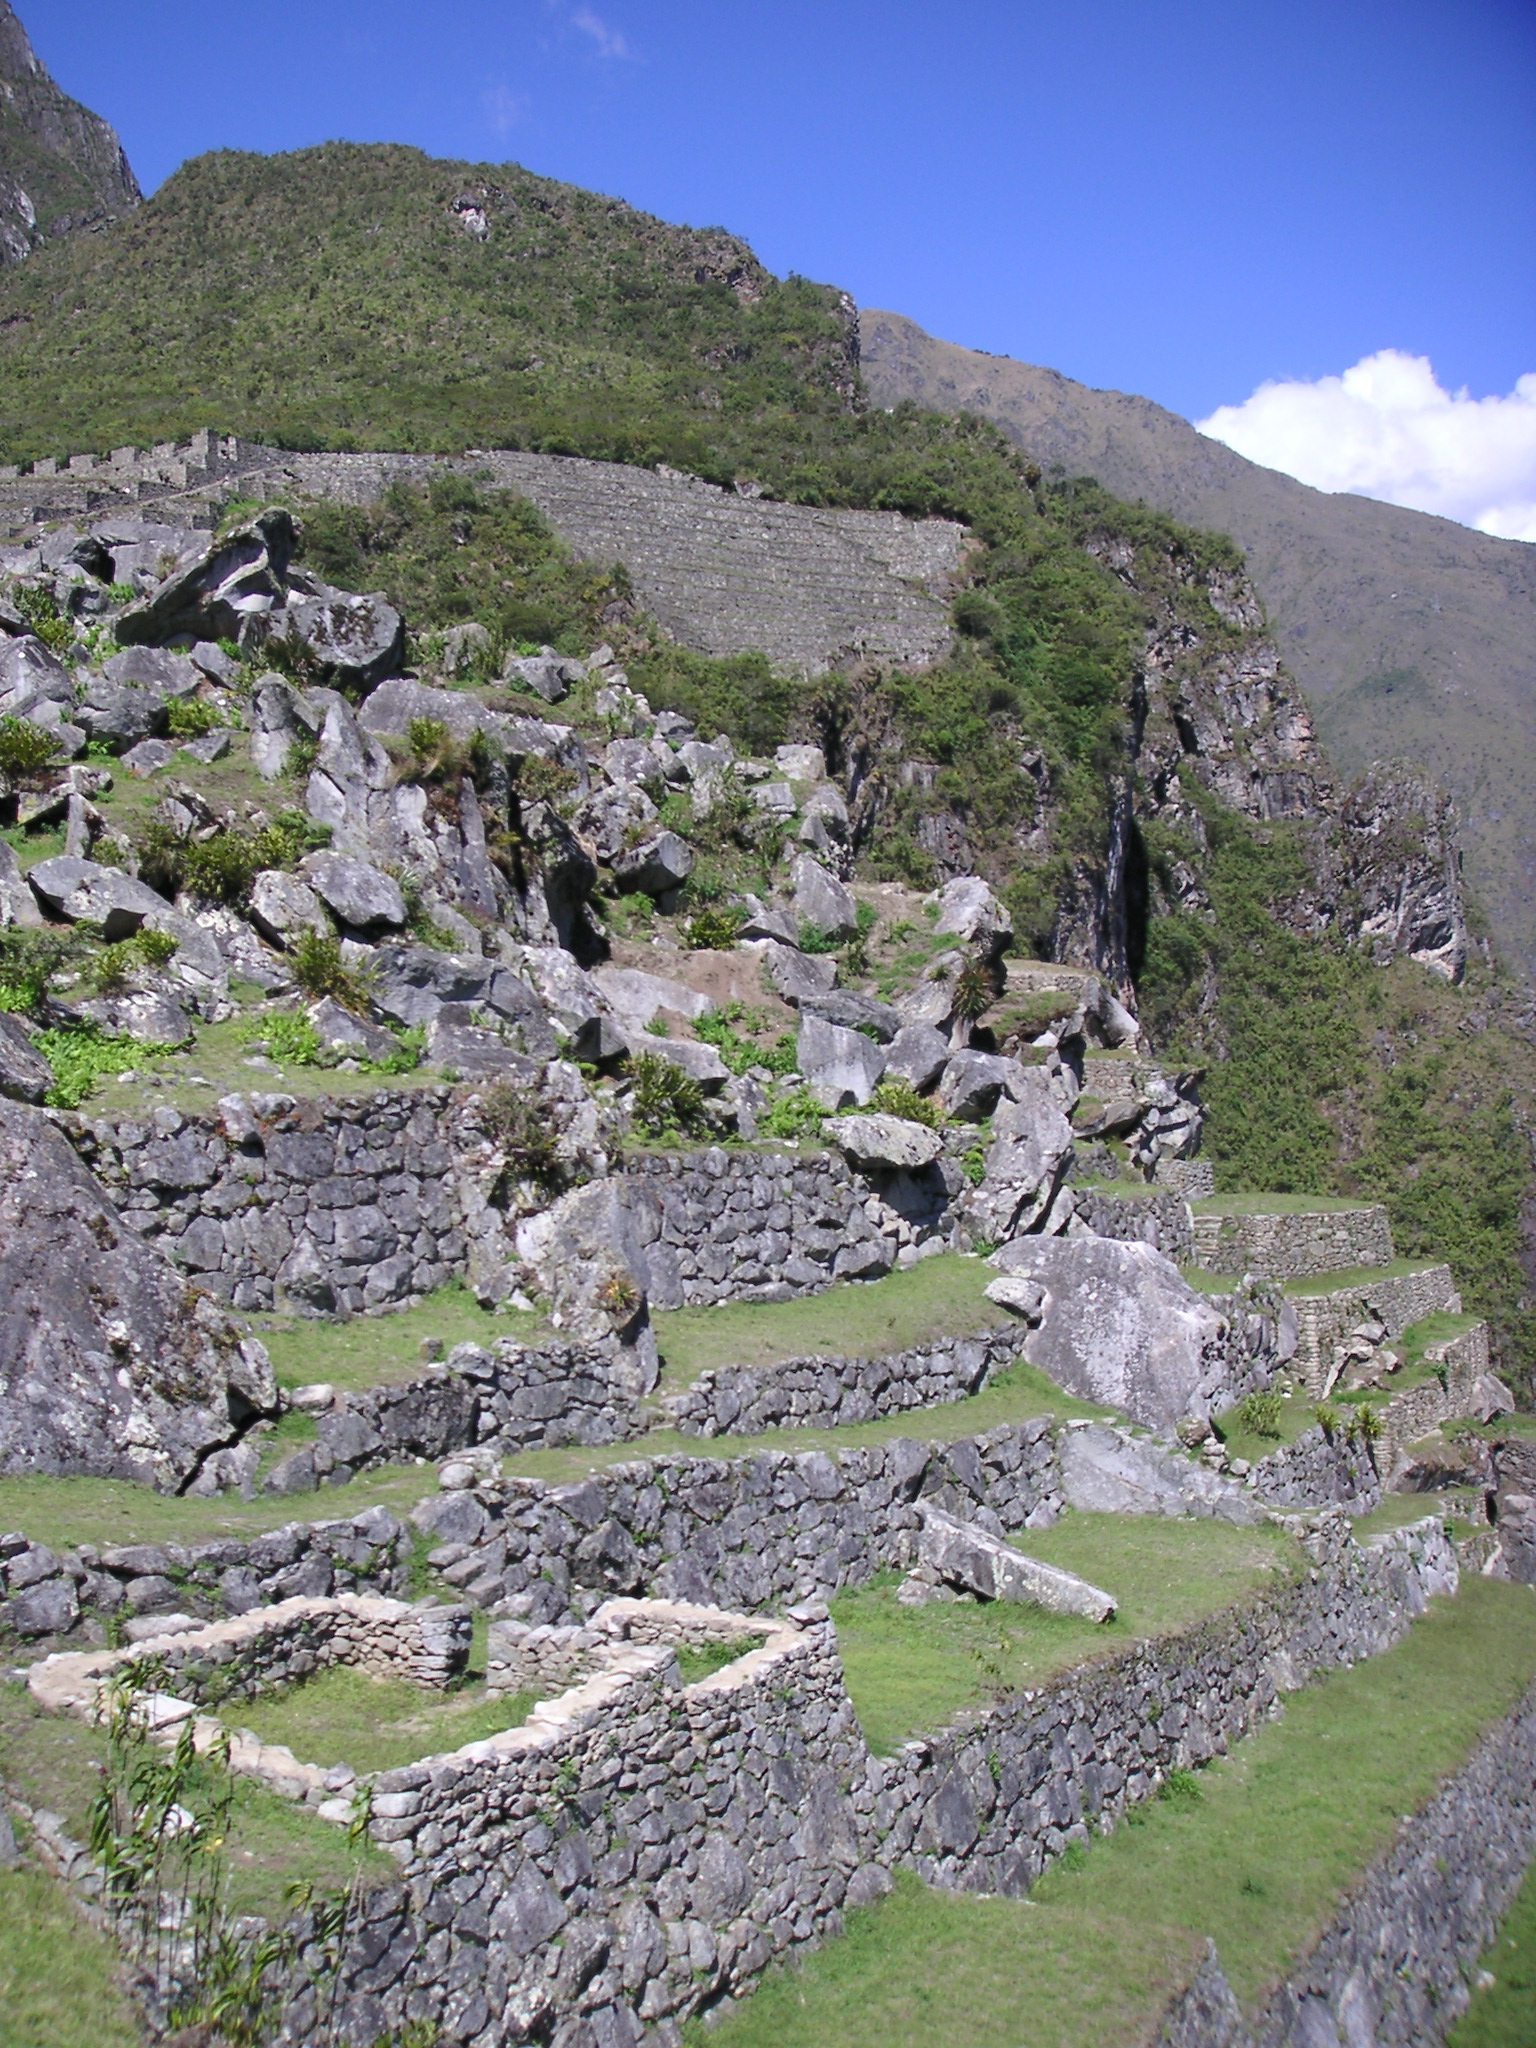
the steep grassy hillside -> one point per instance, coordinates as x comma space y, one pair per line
1410, 635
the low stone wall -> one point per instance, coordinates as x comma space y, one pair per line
737, 1532
350, 1202
1514, 1556
52, 1593
1395, 1301
1392, 1966
760, 1226
823, 1393
1414, 1411
1293, 1247
515, 1396
1319, 1470
272, 1647
988, 1804
522, 1659
1159, 1217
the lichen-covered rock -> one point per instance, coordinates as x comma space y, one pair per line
1119, 1325
885, 1142
25, 1074
967, 1555
109, 1364
1026, 1162
224, 587
840, 1067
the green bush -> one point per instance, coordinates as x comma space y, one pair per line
715, 930
40, 609
740, 1053
665, 1101
189, 718
317, 967
222, 869
900, 1098
517, 1122
290, 1039
25, 749
1259, 1414
113, 965
81, 1055
29, 959
796, 1115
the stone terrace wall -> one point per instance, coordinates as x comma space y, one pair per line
823, 1393
1392, 1967
545, 1660
986, 1806
738, 1532
1161, 1219
1324, 1320
1319, 1471
635, 1851
276, 1646
760, 1225
52, 1592
346, 1202
1293, 1247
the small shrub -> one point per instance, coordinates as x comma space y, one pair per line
814, 940
406, 1057
517, 1123
1259, 1414
1180, 1788
188, 718
1328, 1419
714, 930
113, 965
28, 962
319, 970
665, 1098
973, 993
291, 1040
1364, 1426
974, 1166
900, 1098
24, 749
658, 1027
618, 1297
40, 609
81, 1055
797, 1115
543, 782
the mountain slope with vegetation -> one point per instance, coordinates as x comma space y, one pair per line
1409, 634
371, 296
61, 167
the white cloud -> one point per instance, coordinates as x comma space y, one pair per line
609, 41
1388, 430
504, 108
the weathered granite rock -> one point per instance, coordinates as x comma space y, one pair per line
884, 1142
25, 1073
968, 908
973, 1083
31, 677
1120, 1326
359, 894
212, 596
1106, 1471
635, 996
854, 1012
1025, 1163
157, 669
701, 1063
283, 905
18, 906
656, 866
107, 1364
967, 1555
821, 900
918, 1054
353, 639
795, 975
81, 890
840, 1067
587, 1253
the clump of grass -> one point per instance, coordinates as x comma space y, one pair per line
714, 929
900, 1098
81, 1055
517, 1123
189, 718
114, 965
1259, 1414
665, 1101
795, 1115
40, 609
318, 968
25, 750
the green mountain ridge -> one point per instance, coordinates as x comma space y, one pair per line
61, 167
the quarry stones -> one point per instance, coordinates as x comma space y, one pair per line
967, 1555
840, 1067
884, 1142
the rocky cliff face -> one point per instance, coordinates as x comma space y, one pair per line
61, 166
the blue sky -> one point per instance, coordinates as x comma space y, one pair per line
1183, 198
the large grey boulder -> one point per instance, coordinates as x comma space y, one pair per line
587, 1254
656, 866
18, 905
461, 1042
109, 1364
821, 900
31, 676
120, 715
357, 640
283, 905
701, 1063
25, 1073
884, 1143
1025, 1163
280, 715
155, 669
221, 589
635, 996
360, 895
610, 815
917, 1054
973, 1083
969, 910
964, 1554
854, 1012
1119, 1325
391, 707
81, 891
1106, 1471
549, 676
411, 983
795, 975
840, 1067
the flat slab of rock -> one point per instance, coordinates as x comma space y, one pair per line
982, 1563
795, 975
82, 891
635, 996
885, 1142
840, 1067
1105, 1471
1119, 1325
360, 895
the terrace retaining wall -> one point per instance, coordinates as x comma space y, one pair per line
1288, 1246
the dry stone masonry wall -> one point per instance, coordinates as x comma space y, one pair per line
1289, 1246
1394, 1299
739, 1532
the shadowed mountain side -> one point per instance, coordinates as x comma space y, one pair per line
61, 166
1410, 635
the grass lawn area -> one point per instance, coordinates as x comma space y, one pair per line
1297, 1414
1273, 1205
938, 1297
64, 1512
1352, 1279
215, 1064
376, 1351
1014, 1396
344, 1716
912, 1669
51, 1761
1255, 1854
1439, 1328
1504, 2015
1461, 1506
58, 1976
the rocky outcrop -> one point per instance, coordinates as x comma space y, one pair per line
61, 167
109, 1363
